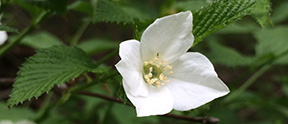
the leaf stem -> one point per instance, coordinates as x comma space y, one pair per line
79, 33
249, 82
255, 76
107, 57
26, 31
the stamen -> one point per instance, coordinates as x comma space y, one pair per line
154, 71
146, 62
156, 58
161, 77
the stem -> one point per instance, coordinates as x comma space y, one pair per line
45, 109
249, 82
31, 27
79, 33
16, 41
204, 120
255, 76
107, 57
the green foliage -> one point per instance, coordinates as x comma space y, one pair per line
52, 66
16, 114
82, 6
93, 46
8, 29
41, 40
108, 11
223, 12
280, 13
191, 5
58, 6
227, 56
272, 42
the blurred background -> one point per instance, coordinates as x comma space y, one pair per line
251, 60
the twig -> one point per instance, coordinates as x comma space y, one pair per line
6, 80
204, 120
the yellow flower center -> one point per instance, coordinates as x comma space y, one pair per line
153, 71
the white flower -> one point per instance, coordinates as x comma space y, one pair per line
3, 34
3, 37
160, 75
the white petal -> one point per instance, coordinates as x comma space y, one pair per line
170, 36
3, 37
158, 102
130, 67
194, 82
129, 52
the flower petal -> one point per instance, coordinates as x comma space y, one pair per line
130, 68
159, 102
170, 36
129, 52
3, 37
194, 82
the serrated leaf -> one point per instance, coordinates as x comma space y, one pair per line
41, 40
273, 42
223, 12
227, 56
47, 68
93, 46
108, 11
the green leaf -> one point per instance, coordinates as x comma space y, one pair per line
8, 29
280, 13
223, 12
108, 11
192, 5
81, 6
49, 67
16, 114
93, 46
273, 42
41, 40
261, 11
227, 56
58, 6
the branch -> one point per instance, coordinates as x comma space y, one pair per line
204, 120
6, 80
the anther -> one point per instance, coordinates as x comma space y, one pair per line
156, 58
171, 72
146, 62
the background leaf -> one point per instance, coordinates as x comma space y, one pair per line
41, 40
49, 67
8, 29
227, 56
16, 114
273, 42
108, 11
93, 46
